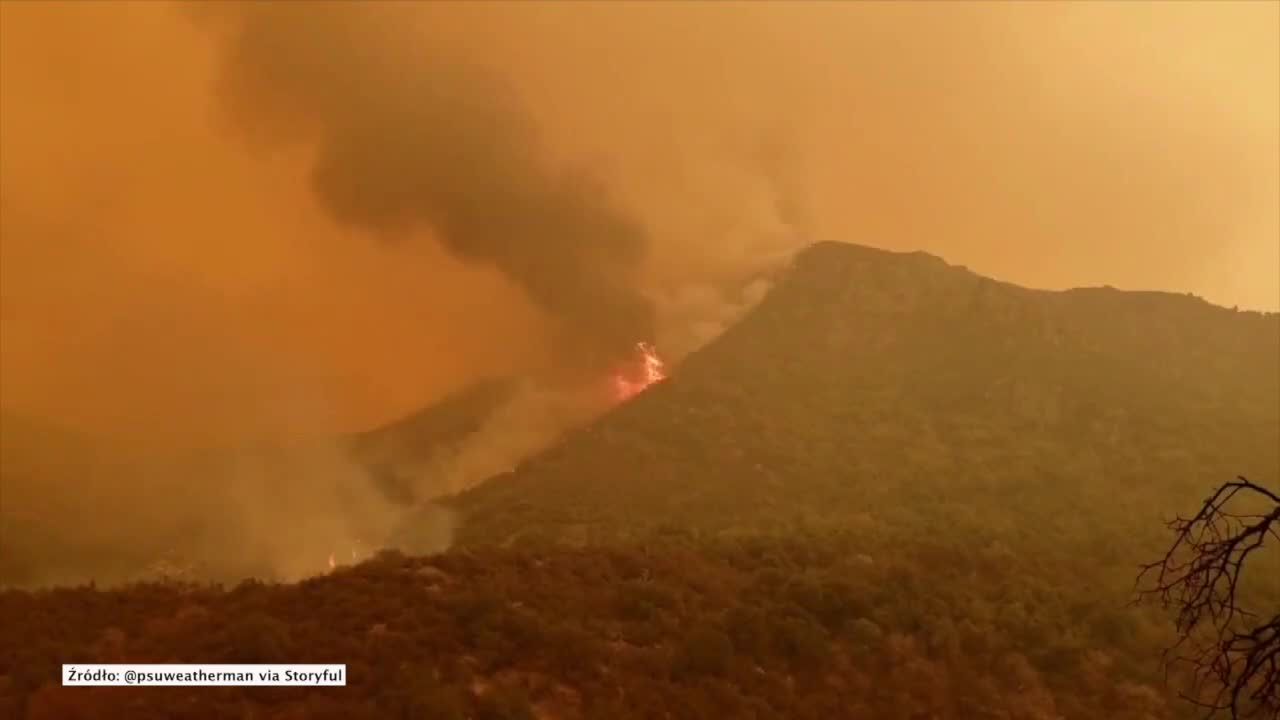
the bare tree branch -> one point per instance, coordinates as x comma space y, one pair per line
1230, 653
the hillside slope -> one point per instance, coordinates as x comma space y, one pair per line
895, 490
397, 448
896, 395
799, 629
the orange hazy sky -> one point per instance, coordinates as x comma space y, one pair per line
162, 278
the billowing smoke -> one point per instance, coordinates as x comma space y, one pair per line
530, 420
76, 511
410, 140
768, 219
695, 314
188, 213
333, 512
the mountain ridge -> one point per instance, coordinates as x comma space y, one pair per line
910, 349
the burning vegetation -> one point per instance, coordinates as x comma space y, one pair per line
645, 369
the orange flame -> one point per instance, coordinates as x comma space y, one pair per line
651, 369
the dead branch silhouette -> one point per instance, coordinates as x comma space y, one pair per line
1230, 653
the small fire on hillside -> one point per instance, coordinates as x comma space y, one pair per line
333, 560
646, 370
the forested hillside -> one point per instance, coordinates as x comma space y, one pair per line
805, 628
896, 489
895, 396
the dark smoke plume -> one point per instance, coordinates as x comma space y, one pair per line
409, 141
